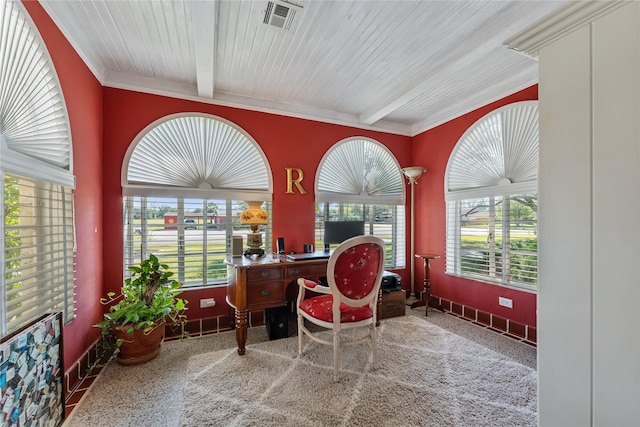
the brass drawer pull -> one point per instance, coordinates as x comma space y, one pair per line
296, 271
265, 293
266, 274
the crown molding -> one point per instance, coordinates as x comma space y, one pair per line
568, 18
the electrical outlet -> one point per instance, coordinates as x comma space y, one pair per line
505, 302
207, 302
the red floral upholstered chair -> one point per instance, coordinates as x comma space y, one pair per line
354, 273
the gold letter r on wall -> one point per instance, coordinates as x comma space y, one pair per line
291, 182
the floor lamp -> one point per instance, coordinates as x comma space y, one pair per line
413, 173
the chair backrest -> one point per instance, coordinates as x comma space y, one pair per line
354, 270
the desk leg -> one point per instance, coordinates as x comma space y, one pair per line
379, 308
241, 330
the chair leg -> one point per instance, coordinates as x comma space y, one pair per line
374, 345
336, 354
300, 333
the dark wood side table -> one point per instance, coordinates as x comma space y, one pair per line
427, 281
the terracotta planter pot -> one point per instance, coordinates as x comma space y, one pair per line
138, 347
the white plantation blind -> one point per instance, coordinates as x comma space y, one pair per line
36, 167
192, 236
491, 192
197, 156
38, 250
494, 239
359, 170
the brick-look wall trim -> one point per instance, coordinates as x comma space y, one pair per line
518, 331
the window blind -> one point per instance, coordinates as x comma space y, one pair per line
38, 250
494, 239
185, 179
384, 221
360, 179
33, 115
192, 236
36, 167
359, 170
196, 156
491, 198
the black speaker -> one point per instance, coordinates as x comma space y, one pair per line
236, 246
280, 245
277, 321
391, 282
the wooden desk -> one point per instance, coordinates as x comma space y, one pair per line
261, 283
427, 280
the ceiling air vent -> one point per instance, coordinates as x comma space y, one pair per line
282, 15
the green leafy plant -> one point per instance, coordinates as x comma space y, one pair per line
147, 299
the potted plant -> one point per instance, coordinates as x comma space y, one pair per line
135, 323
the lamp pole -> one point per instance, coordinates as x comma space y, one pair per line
413, 173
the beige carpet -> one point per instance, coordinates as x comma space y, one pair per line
427, 377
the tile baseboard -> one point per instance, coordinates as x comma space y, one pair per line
518, 331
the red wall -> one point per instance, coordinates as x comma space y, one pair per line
83, 98
432, 149
286, 141
104, 121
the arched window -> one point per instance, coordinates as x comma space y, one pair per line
185, 180
359, 179
491, 186
37, 174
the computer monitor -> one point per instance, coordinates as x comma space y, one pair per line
336, 232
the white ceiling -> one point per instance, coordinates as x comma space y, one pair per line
395, 66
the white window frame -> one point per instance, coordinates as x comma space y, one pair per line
36, 149
495, 160
359, 177
190, 157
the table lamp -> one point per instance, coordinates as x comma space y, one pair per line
254, 216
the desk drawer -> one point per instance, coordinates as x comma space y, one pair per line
264, 293
306, 271
260, 274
